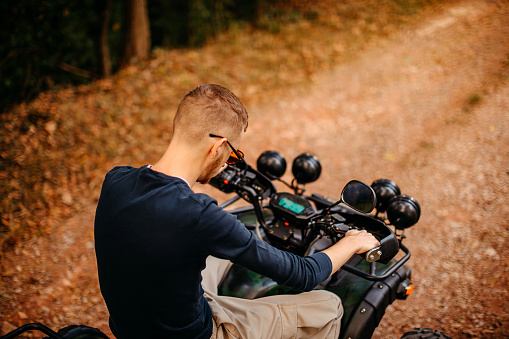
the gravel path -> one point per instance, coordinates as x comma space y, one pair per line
428, 109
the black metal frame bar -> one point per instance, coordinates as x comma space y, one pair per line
372, 274
33, 327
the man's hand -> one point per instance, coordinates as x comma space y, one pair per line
353, 242
365, 241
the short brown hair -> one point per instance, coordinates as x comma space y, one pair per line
210, 109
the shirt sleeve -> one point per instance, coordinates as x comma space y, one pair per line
223, 236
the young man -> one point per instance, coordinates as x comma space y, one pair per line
154, 237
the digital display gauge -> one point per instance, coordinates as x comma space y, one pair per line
291, 205
292, 208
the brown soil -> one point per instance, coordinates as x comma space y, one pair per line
428, 108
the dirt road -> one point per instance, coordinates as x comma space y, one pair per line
427, 108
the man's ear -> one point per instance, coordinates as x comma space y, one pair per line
214, 149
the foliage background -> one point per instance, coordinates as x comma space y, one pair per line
39, 39
46, 44
55, 150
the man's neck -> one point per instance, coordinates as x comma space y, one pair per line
178, 162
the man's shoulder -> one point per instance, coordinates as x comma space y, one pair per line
202, 199
168, 187
120, 171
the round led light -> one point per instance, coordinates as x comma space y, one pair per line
272, 164
403, 211
385, 190
306, 168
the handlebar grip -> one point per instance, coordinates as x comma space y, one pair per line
373, 254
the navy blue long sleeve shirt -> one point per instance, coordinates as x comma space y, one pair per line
152, 237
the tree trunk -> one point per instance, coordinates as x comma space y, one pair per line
103, 51
136, 46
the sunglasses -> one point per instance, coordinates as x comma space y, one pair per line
235, 155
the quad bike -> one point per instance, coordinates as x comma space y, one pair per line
303, 224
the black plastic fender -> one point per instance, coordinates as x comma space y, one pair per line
362, 316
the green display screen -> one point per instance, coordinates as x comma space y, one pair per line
291, 205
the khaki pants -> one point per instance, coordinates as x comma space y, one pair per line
316, 314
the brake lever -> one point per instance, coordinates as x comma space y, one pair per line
341, 228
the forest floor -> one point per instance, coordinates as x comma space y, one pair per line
424, 103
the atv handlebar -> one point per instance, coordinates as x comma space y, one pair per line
254, 187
